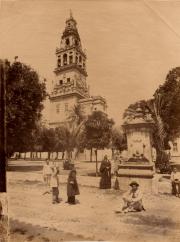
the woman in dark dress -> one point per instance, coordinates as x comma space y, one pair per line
72, 187
105, 170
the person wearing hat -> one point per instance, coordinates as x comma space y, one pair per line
133, 199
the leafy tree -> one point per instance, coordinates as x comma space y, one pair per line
118, 140
48, 140
62, 136
170, 107
36, 144
97, 132
24, 102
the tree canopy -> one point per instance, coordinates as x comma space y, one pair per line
98, 130
25, 94
170, 96
119, 141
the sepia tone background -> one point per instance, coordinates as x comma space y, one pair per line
130, 44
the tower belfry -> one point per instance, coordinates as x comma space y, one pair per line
71, 63
70, 86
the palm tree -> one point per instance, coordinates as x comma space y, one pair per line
159, 135
118, 140
74, 129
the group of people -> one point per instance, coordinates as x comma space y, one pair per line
51, 179
132, 199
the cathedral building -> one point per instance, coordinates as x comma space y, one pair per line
70, 86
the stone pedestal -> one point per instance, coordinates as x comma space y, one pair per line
139, 165
143, 174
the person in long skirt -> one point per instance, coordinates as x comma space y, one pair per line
105, 170
72, 187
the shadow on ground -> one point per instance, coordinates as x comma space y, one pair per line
151, 220
20, 231
24, 168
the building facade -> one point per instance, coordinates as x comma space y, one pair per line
70, 87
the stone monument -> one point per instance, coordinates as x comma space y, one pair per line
139, 164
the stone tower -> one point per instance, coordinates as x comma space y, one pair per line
70, 87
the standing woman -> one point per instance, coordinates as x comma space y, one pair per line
105, 170
72, 187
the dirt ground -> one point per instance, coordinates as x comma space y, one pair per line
3, 229
34, 218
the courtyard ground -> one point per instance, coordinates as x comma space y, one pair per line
34, 218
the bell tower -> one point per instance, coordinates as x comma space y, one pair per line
70, 69
70, 86
70, 73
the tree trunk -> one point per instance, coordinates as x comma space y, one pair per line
112, 153
57, 155
96, 163
91, 155
162, 161
49, 155
62, 155
24, 155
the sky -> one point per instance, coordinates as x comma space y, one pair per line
130, 44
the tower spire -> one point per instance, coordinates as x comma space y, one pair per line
71, 15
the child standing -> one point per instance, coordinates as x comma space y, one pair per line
55, 185
72, 187
47, 176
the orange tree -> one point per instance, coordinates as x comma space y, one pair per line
97, 132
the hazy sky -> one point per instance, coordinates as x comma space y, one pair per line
130, 44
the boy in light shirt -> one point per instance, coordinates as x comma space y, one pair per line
175, 180
54, 183
47, 172
133, 199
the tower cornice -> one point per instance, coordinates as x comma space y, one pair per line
61, 96
70, 67
63, 50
